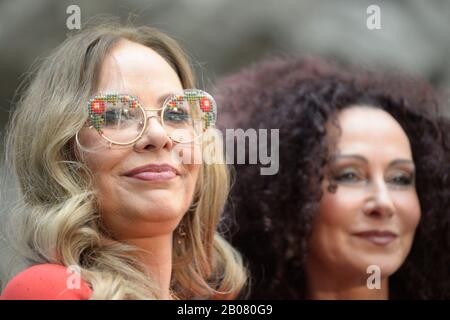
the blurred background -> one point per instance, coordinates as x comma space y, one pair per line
222, 36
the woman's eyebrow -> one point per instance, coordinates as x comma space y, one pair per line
350, 156
363, 159
401, 161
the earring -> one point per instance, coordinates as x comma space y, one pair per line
181, 233
332, 187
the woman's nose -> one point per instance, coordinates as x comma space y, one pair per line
380, 203
154, 137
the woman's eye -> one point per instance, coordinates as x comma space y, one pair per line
118, 116
111, 116
348, 176
402, 180
176, 115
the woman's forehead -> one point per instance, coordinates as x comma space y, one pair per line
364, 128
136, 69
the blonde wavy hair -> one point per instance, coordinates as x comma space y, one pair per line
60, 221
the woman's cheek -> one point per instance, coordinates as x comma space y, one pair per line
340, 207
408, 209
187, 154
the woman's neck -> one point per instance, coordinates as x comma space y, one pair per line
157, 256
324, 284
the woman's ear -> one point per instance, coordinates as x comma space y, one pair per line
74, 147
76, 157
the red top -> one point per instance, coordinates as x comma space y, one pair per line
46, 282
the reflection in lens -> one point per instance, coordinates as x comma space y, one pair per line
177, 119
194, 111
120, 117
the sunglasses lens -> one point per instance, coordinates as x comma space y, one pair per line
187, 116
118, 117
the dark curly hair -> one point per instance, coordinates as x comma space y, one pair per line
273, 215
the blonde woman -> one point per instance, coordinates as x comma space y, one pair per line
121, 208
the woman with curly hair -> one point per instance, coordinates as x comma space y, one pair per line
360, 207
101, 143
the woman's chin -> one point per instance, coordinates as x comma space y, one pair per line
162, 214
383, 265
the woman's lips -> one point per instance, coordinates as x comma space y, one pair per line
381, 238
150, 176
153, 172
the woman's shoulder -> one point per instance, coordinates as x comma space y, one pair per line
47, 282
